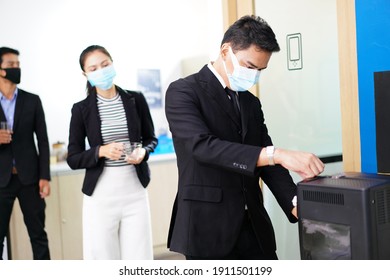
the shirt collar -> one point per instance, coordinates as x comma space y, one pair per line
216, 74
2, 97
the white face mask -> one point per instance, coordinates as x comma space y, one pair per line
242, 78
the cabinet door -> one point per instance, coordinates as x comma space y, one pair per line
53, 224
71, 201
162, 191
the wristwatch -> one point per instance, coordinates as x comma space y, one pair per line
270, 154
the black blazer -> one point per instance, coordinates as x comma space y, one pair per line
85, 123
217, 168
29, 119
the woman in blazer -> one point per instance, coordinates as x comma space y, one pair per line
116, 215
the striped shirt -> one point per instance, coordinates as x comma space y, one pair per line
113, 124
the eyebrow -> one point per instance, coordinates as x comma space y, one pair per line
102, 62
11, 61
254, 66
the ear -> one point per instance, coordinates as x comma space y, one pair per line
224, 50
2, 73
84, 74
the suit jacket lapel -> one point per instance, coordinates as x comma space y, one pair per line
92, 114
213, 87
18, 108
129, 105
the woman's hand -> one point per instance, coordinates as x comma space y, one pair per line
137, 156
113, 151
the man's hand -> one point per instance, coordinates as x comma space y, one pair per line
307, 165
5, 136
294, 212
44, 188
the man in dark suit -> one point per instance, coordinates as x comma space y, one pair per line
223, 149
24, 171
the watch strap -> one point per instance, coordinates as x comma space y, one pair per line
270, 154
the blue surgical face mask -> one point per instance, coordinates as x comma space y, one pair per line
242, 78
102, 78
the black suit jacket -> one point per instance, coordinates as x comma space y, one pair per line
217, 168
29, 119
85, 123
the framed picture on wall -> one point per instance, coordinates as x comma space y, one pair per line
148, 81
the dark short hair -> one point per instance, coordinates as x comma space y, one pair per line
88, 50
251, 30
6, 50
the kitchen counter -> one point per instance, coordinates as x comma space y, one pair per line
62, 168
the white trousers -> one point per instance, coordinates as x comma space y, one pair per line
116, 218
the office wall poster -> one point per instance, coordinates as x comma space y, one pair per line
149, 83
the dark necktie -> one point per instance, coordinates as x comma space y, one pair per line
234, 100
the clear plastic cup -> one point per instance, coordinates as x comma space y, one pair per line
132, 150
5, 126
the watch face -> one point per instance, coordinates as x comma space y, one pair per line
270, 150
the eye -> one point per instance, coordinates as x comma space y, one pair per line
92, 69
11, 64
253, 68
106, 63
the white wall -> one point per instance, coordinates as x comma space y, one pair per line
301, 107
174, 36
